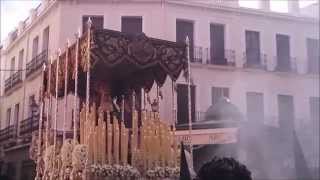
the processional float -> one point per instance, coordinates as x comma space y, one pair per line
117, 131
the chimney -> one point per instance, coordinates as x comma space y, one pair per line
33, 14
21, 27
293, 7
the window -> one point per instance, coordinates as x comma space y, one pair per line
217, 44
131, 25
255, 107
252, 48
286, 112
184, 29
8, 116
21, 53
182, 104
217, 93
16, 114
283, 52
13, 64
314, 109
35, 47
45, 41
313, 55
97, 22
31, 101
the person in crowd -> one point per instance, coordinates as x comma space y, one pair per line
224, 169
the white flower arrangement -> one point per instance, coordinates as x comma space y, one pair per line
79, 157
49, 158
114, 171
163, 172
66, 153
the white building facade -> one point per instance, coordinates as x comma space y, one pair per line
266, 63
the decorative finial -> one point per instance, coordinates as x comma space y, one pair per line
44, 67
187, 40
79, 33
89, 22
51, 59
68, 42
59, 52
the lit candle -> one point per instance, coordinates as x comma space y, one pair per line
109, 139
124, 144
103, 137
116, 140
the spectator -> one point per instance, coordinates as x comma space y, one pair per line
224, 169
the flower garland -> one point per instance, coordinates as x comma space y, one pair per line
114, 171
163, 172
106, 170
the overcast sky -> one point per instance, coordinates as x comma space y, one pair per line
13, 11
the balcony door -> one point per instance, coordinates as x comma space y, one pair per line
182, 104
253, 48
97, 22
184, 28
217, 55
21, 54
12, 66
8, 123
16, 116
283, 52
45, 35
286, 112
255, 107
217, 93
35, 47
313, 55
131, 24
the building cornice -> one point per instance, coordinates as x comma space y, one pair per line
28, 28
247, 11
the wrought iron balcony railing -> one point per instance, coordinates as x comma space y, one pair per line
8, 133
287, 64
227, 59
13, 80
197, 55
36, 63
29, 125
255, 60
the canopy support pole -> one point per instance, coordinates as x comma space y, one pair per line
189, 97
75, 105
88, 86
65, 92
41, 97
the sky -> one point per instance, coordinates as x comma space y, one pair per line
13, 11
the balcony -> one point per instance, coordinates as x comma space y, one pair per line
228, 58
287, 64
36, 63
8, 133
29, 125
255, 60
12, 81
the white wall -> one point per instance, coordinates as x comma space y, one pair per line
159, 21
